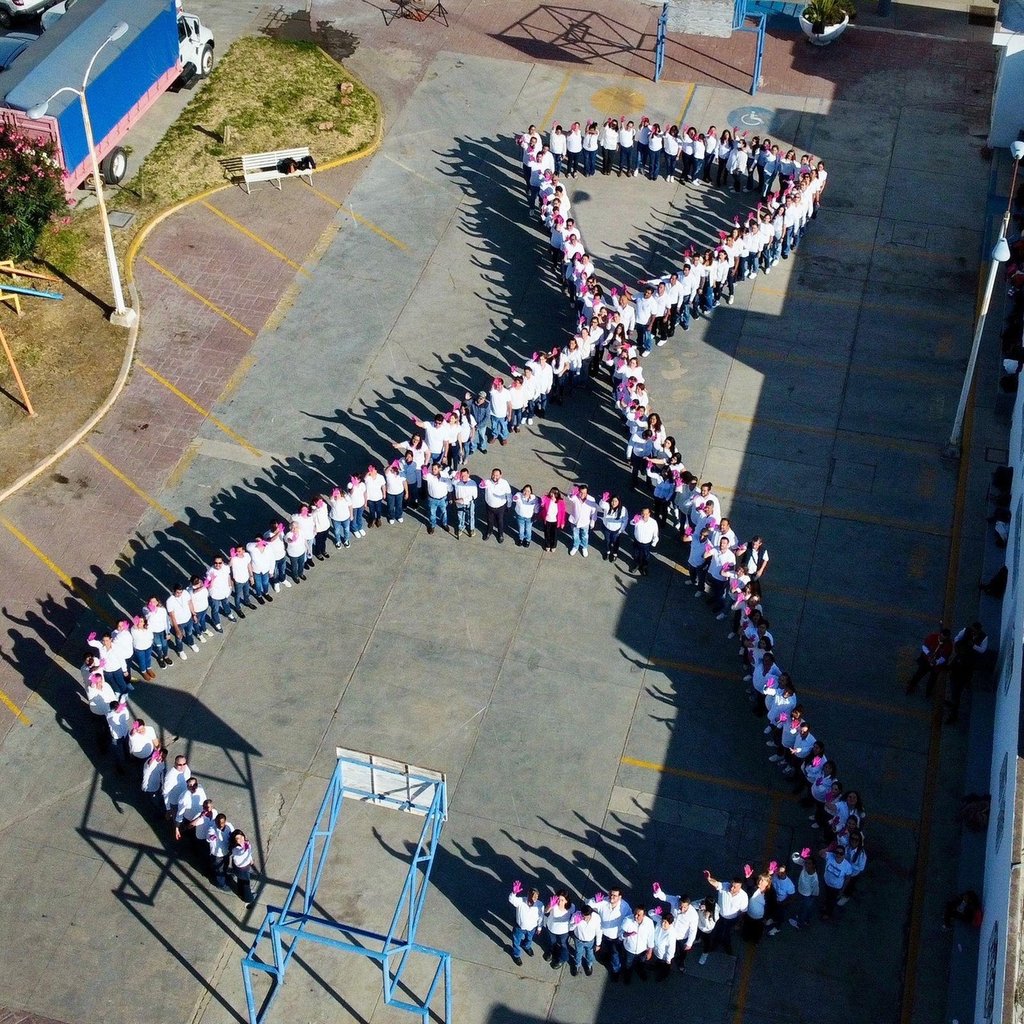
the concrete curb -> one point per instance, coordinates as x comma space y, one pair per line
129, 272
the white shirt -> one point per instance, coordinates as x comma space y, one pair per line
179, 608
646, 531
141, 742
174, 784
526, 507
528, 915
612, 917
589, 930
190, 805
220, 582
558, 921
240, 567
341, 508
437, 486
498, 493
374, 483
638, 936
664, 942
732, 904
157, 618
582, 511
153, 776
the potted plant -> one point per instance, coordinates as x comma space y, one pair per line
824, 21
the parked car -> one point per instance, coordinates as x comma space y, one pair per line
53, 14
18, 10
12, 46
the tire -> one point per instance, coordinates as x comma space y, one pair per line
5, 17
206, 61
114, 166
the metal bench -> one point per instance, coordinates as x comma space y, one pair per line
267, 166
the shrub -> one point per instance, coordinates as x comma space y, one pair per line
31, 192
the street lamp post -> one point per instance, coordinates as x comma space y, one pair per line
122, 316
1000, 254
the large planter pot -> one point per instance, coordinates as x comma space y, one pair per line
831, 33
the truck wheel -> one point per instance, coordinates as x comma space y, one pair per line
114, 166
206, 60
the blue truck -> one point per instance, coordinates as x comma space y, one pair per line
162, 46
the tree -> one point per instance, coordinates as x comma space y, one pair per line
31, 191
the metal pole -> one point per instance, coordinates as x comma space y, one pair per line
122, 316
17, 376
952, 449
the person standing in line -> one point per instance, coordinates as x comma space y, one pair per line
582, 513
553, 516
613, 911
142, 740
558, 920
179, 614
835, 871
529, 918
159, 623
637, 944
439, 486
686, 922
303, 522
173, 786
757, 906
557, 146
609, 144
645, 537
153, 780
142, 648
357, 502
295, 550
218, 839
375, 489
111, 664
242, 867
627, 136
525, 503
573, 148
708, 916
464, 495
396, 489
190, 809
499, 411
199, 605
497, 498
341, 516
321, 529
218, 584
732, 904
614, 518
263, 564
586, 933
241, 575
664, 945
119, 722
278, 556
779, 895
808, 889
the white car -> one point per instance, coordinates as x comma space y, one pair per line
19, 10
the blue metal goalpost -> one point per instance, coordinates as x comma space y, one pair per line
370, 779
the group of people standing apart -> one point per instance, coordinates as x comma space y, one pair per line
616, 329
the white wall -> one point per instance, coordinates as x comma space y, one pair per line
1008, 97
996, 976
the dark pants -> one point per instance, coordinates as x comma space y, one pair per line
495, 521
550, 534
607, 159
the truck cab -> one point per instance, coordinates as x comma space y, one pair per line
195, 46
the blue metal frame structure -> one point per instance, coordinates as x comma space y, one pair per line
740, 16
409, 789
659, 46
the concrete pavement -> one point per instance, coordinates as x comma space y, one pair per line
557, 699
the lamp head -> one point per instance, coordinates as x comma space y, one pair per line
38, 111
1001, 252
1017, 150
117, 31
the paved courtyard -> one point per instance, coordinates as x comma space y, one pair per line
592, 723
